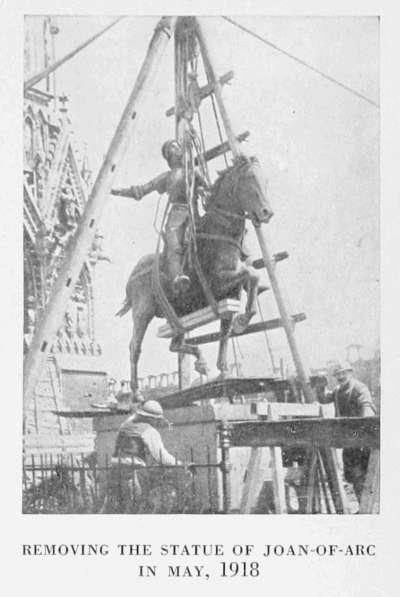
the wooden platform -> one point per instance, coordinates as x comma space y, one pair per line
201, 317
220, 388
338, 432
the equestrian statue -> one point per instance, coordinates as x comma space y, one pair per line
202, 261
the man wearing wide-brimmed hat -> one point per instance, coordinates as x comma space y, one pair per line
352, 399
138, 445
139, 439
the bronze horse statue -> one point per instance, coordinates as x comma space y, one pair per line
239, 192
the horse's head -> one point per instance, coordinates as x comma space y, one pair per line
251, 190
243, 189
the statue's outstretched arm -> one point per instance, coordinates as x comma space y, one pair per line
135, 191
139, 191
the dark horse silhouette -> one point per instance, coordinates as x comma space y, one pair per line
239, 192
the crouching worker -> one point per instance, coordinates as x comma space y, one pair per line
138, 445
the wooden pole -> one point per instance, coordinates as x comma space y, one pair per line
268, 261
287, 322
37, 77
82, 241
184, 360
209, 65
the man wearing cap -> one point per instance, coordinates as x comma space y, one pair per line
138, 444
352, 399
174, 184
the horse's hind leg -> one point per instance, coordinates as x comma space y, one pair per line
141, 320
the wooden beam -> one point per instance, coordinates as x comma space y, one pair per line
200, 317
278, 475
223, 388
274, 410
209, 64
251, 481
217, 88
81, 242
330, 462
370, 494
269, 263
259, 263
206, 90
271, 324
339, 432
218, 150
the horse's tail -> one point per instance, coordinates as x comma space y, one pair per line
124, 309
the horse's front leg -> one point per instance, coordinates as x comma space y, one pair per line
248, 277
178, 344
222, 364
252, 283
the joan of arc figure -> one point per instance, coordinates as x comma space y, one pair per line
175, 185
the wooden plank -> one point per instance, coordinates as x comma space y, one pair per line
221, 388
201, 317
218, 150
337, 432
278, 476
271, 324
324, 485
371, 490
260, 263
287, 409
311, 474
251, 481
335, 482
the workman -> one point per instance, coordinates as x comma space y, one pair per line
174, 184
139, 440
352, 399
138, 445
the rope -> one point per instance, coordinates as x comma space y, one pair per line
203, 146
190, 188
302, 62
269, 348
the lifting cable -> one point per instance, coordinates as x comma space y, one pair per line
302, 62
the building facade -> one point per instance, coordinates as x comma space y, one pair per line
56, 183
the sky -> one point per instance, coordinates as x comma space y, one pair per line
319, 147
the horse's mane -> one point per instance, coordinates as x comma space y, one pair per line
238, 163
